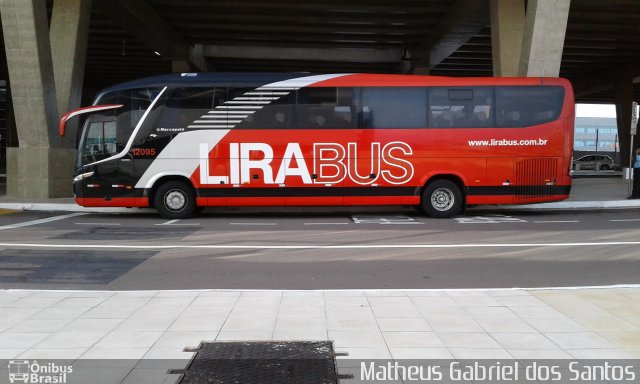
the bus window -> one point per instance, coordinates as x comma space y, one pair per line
394, 107
184, 106
276, 114
134, 104
100, 141
460, 107
326, 108
527, 106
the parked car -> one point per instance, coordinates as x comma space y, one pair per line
595, 162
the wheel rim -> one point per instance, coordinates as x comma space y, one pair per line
175, 200
442, 199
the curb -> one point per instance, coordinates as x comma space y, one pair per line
564, 205
57, 207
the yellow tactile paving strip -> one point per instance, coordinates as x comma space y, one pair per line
614, 314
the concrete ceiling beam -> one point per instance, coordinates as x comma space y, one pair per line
350, 55
142, 21
463, 20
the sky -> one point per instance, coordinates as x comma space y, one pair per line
595, 110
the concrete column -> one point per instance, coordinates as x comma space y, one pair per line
507, 27
623, 90
544, 30
35, 170
69, 33
26, 38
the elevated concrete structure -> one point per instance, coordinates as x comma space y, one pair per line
69, 33
543, 40
137, 17
624, 99
507, 29
39, 168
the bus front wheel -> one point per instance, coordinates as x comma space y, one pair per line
175, 200
442, 198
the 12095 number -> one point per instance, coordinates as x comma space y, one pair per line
143, 151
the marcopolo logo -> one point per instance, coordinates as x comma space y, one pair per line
24, 371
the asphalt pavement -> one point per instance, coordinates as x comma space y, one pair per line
398, 249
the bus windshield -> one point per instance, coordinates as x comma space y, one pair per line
106, 133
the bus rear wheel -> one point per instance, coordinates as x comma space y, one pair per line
442, 198
175, 200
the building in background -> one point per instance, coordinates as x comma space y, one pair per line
596, 131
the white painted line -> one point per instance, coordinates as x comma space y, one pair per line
174, 223
97, 223
400, 223
557, 221
41, 221
312, 246
253, 223
326, 223
489, 219
169, 222
626, 220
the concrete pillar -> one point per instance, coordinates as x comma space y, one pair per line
69, 33
26, 38
35, 170
623, 89
544, 30
507, 27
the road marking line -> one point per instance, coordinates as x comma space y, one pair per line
557, 221
326, 223
169, 222
401, 223
41, 221
253, 223
174, 223
489, 219
97, 223
626, 220
311, 246
396, 219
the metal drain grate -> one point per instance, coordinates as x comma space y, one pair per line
261, 363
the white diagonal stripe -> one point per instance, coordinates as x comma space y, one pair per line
41, 221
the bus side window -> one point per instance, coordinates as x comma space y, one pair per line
327, 107
461, 107
394, 107
527, 106
277, 114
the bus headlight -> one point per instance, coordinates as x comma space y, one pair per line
82, 176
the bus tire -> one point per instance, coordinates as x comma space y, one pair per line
441, 199
175, 200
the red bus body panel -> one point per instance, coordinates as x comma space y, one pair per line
385, 166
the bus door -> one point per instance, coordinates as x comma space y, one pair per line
112, 180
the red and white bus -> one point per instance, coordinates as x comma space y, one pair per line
181, 142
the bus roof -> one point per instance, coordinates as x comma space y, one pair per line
258, 79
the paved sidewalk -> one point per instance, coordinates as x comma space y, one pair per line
372, 324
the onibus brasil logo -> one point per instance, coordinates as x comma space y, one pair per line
24, 371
